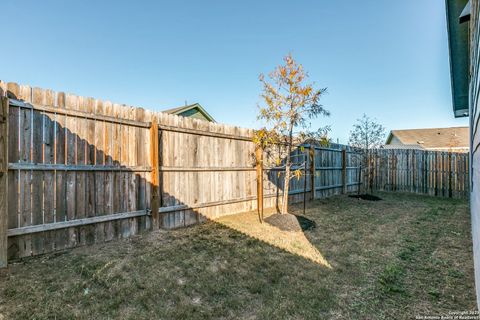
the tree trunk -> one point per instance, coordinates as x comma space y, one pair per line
374, 165
367, 161
286, 188
367, 169
288, 164
359, 179
370, 177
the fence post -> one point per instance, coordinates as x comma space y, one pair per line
394, 171
359, 178
449, 174
3, 180
311, 154
426, 172
155, 196
344, 171
436, 173
305, 158
259, 167
414, 167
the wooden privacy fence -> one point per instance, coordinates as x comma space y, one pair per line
435, 173
78, 170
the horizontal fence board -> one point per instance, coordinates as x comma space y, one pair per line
78, 114
209, 169
335, 168
337, 186
63, 167
74, 223
204, 133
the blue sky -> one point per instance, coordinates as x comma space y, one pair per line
388, 59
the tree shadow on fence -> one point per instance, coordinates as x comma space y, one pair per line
58, 176
75, 181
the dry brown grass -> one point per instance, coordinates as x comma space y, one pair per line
294, 242
404, 256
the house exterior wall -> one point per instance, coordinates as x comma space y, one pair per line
194, 113
450, 149
395, 141
474, 93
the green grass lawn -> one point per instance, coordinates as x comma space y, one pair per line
404, 256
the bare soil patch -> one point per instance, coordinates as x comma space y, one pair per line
285, 222
290, 222
366, 196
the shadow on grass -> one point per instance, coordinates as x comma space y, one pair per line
294, 242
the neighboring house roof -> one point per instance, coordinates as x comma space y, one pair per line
193, 111
458, 33
435, 138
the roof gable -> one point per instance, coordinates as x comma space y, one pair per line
189, 110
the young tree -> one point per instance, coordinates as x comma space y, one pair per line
289, 104
366, 134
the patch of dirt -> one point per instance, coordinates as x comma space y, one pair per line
368, 197
290, 222
305, 223
284, 222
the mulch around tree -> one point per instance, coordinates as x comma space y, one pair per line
368, 197
290, 222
